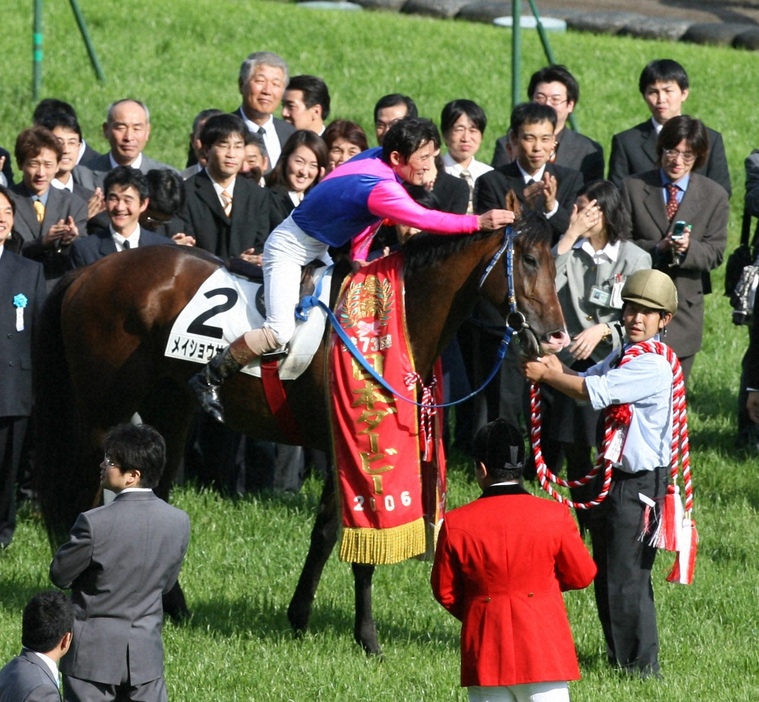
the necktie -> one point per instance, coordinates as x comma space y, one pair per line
672, 203
126, 245
261, 131
467, 176
39, 210
226, 199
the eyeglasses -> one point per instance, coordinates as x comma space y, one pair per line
109, 462
554, 100
686, 156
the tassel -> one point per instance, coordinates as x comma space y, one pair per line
685, 564
672, 520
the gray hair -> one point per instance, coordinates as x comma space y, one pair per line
262, 58
114, 105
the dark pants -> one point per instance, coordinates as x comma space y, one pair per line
623, 589
76, 690
12, 432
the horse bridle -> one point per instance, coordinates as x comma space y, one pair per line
516, 321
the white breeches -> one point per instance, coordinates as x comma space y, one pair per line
534, 692
286, 251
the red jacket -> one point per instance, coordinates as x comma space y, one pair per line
501, 565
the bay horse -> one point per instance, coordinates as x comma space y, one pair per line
99, 358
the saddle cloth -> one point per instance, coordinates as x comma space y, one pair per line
226, 306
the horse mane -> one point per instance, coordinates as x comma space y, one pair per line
425, 250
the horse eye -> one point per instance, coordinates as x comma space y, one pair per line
530, 260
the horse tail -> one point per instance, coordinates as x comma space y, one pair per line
56, 428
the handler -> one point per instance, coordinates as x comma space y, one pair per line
501, 565
623, 589
349, 202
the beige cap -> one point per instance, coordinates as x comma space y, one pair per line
652, 289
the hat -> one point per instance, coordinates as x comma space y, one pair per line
652, 289
500, 446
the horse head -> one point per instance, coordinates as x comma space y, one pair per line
521, 284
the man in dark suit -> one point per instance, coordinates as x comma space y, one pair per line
127, 129
702, 204
22, 292
47, 220
664, 87
52, 106
751, 372
6, 168
537, 183
262, 81
127, 196
46, 628
556, 86
227, 215
119, 561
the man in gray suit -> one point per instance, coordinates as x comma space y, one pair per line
127, 129
119, 561
32, 676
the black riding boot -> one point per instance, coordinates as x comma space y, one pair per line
206, 383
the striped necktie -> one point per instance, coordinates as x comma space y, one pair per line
226, 198
466, 176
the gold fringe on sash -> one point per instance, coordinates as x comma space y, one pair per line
383, 546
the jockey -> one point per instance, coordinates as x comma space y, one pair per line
349, 202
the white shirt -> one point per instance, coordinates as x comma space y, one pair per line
135, 164
118, 239
49, 662
63, 186
608, 254
271, 138
475, 167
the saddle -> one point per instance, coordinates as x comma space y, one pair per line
254, 272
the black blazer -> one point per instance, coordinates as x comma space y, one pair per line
452, 193
7, 166
574, 151
253, 216
101, 243
491, 188
634, 151
18, 276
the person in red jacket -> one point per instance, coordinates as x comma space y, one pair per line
500, 567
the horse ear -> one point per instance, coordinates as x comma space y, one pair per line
513, 204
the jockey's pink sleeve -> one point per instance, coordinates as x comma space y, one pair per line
389, 200
362, 242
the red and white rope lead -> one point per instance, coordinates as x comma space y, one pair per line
614, 419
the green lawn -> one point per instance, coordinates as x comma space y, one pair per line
244, 558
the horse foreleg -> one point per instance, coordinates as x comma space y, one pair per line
323, 538
364, 630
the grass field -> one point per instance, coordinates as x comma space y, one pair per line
245, 557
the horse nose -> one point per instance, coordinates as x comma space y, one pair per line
555, 341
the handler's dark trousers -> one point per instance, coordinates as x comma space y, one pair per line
624, 593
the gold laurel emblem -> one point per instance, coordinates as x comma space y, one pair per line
370, 299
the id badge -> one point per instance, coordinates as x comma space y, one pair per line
600, 296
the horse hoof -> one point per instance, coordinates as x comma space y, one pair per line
368, 641
298, 618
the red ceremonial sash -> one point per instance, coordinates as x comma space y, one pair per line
391, 499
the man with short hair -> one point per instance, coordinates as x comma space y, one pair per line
664, 86
262, 81
46, 628
491, 556
306, 103
227, 215
195, 161
555, 86
127, 129
47, 219
126, 197
118, 562
390, 109
53, 106
642, 384
537, 182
